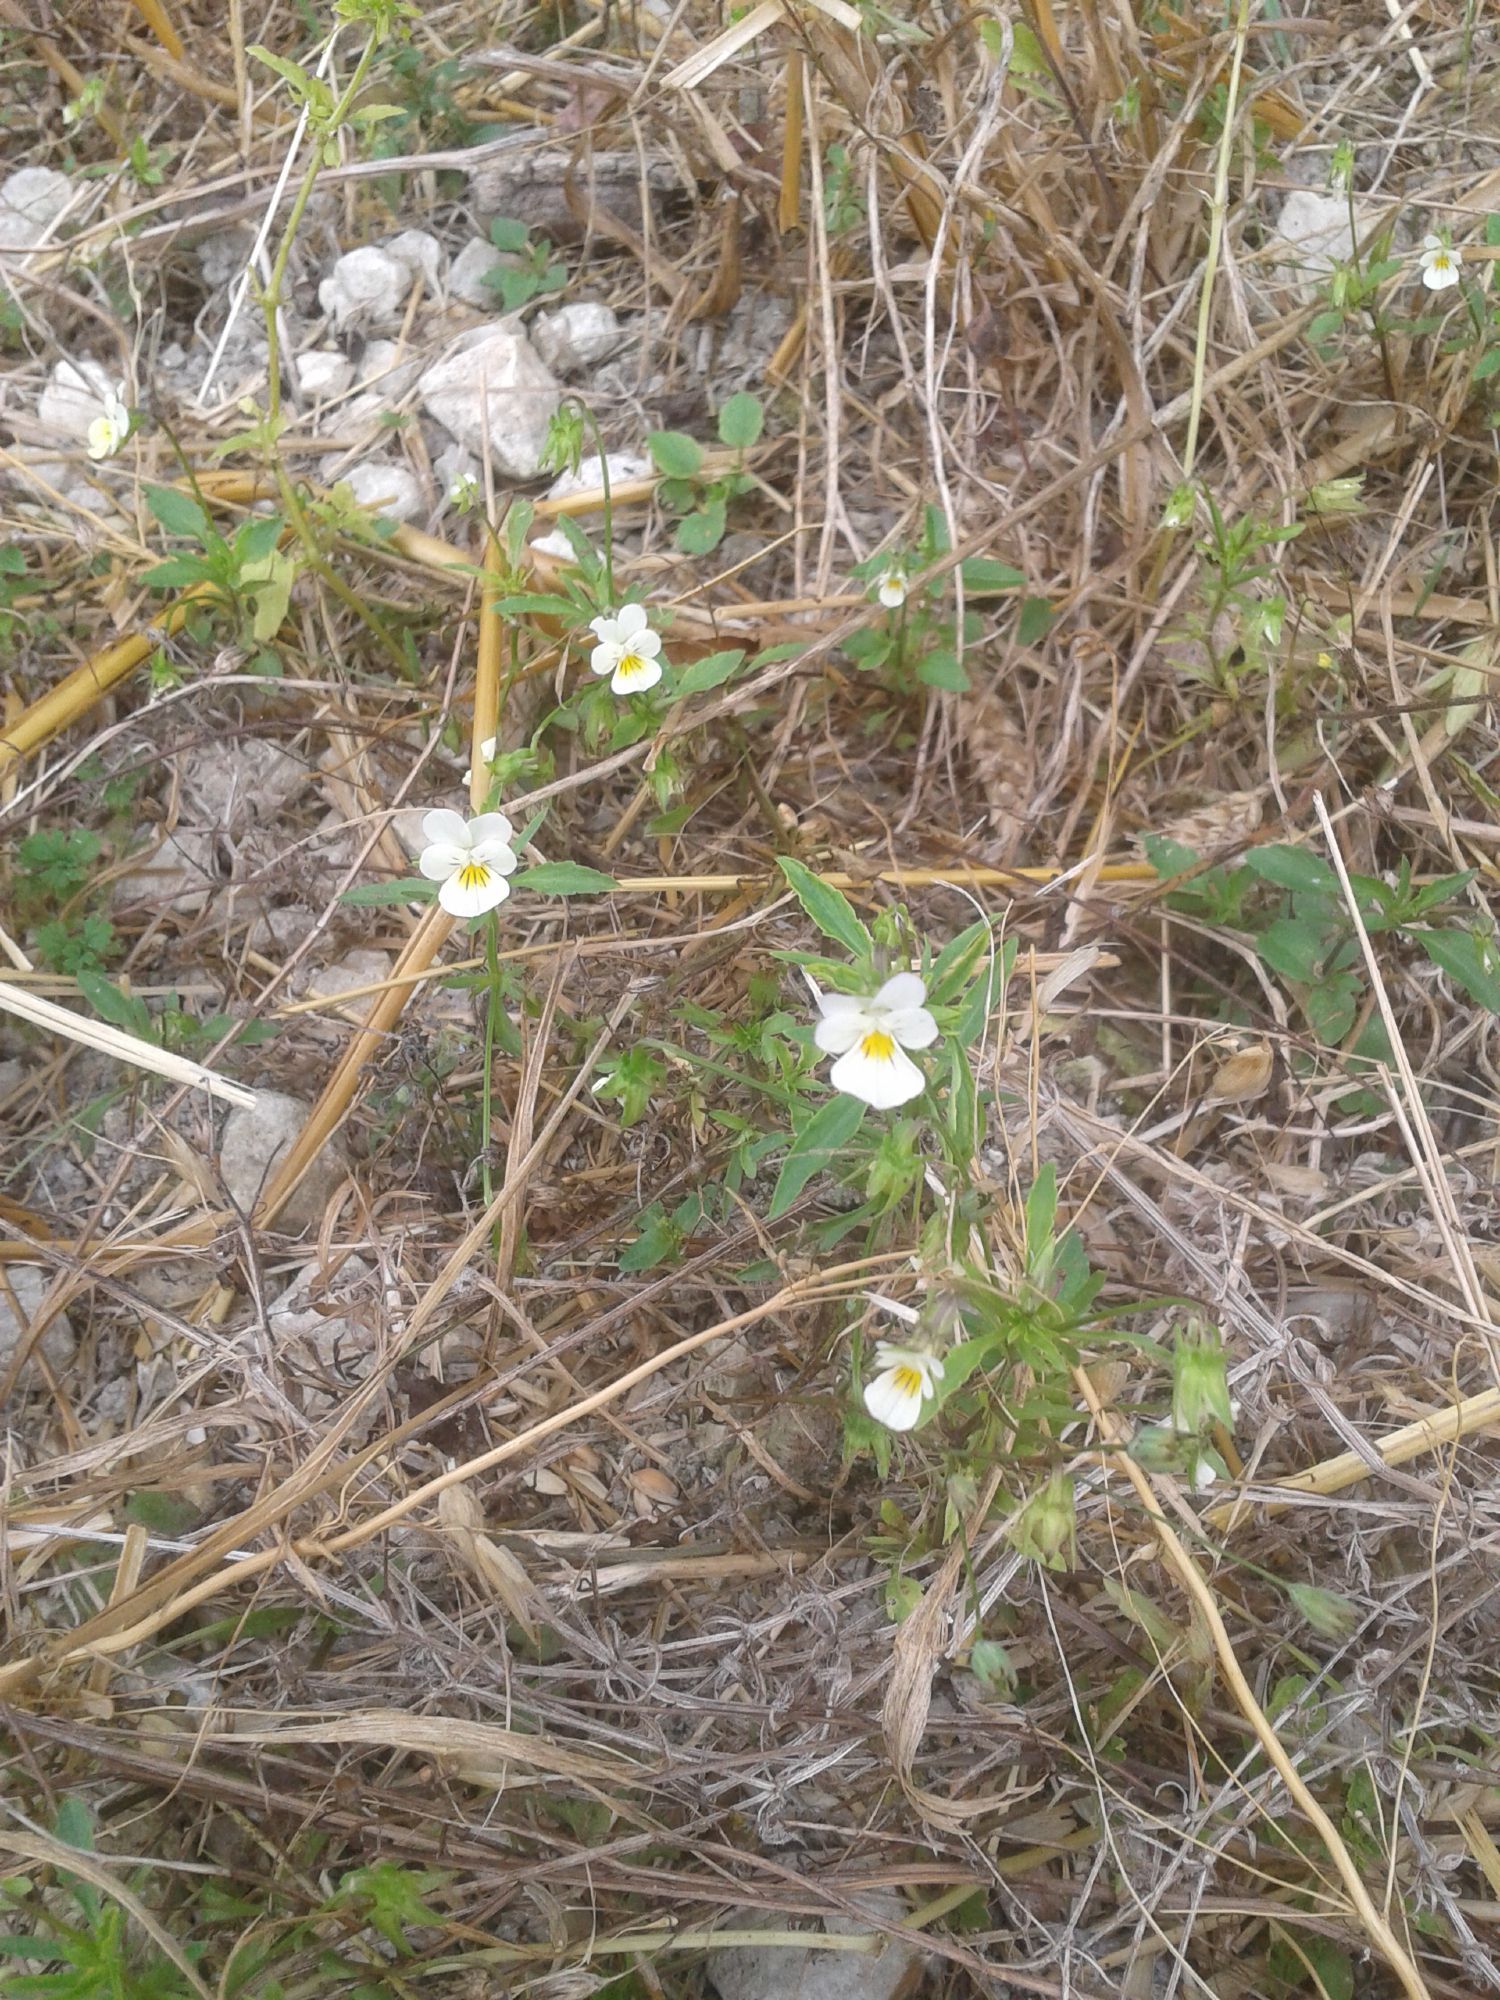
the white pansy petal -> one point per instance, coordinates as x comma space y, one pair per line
631, 621
901, 991
604, 658
882, 1079
490, 826
604, 629
838, 1031
635, 679
894, 1398
914, 1028
1431, 241
498, 855
439, 861
444, 825
472, 890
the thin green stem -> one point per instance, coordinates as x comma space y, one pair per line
492, 1013
1219, 211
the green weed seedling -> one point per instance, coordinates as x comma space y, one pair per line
916, 645
537, 271
703, 504
1288, 901
55, 868
247, 578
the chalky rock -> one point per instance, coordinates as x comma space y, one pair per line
1312, 235
494, 371
768, 1972
323, 372
73, 397
365, 288
577, 336
30, 1283
256, 1138
386, 488
30, 202
471, 268
421, 254
622, 467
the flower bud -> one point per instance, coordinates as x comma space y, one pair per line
1200, 1387
1045, 1527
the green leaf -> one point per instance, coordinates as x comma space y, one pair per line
120, 1010
12, 562
372, 895
1034, 622
546, 606
700, 533
814, 1148
941, 669
827, 907
179, 514
1292, 868
983, 577
674, 454
1486, 364
177, 573
74, 1825
740, 421
508, 234
1473, 960
1295, 949
956, 961
564, 878
1331, 1006
710, 672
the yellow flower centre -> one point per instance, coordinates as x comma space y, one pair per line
473, 875
907, 1380
631, 667
877, 1046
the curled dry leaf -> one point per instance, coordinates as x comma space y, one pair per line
494, 1568
1243, 1076
650, 1489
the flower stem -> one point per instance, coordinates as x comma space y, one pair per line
492, 1013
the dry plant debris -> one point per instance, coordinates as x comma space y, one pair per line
748, 1042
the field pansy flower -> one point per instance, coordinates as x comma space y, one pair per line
470, 858
908, 1376
627, 651
890, 587
1438, 264
108, 432
870, 1037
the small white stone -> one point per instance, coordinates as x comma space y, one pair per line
470, 269
555, 544
494, 370
31, 200
368, 286
255, 1140
354, 969
308, 1314
1312, 233
323, 372
622, 466
72, 399
385, 488
420, 252
767, 1972
578, 335
31, 1283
